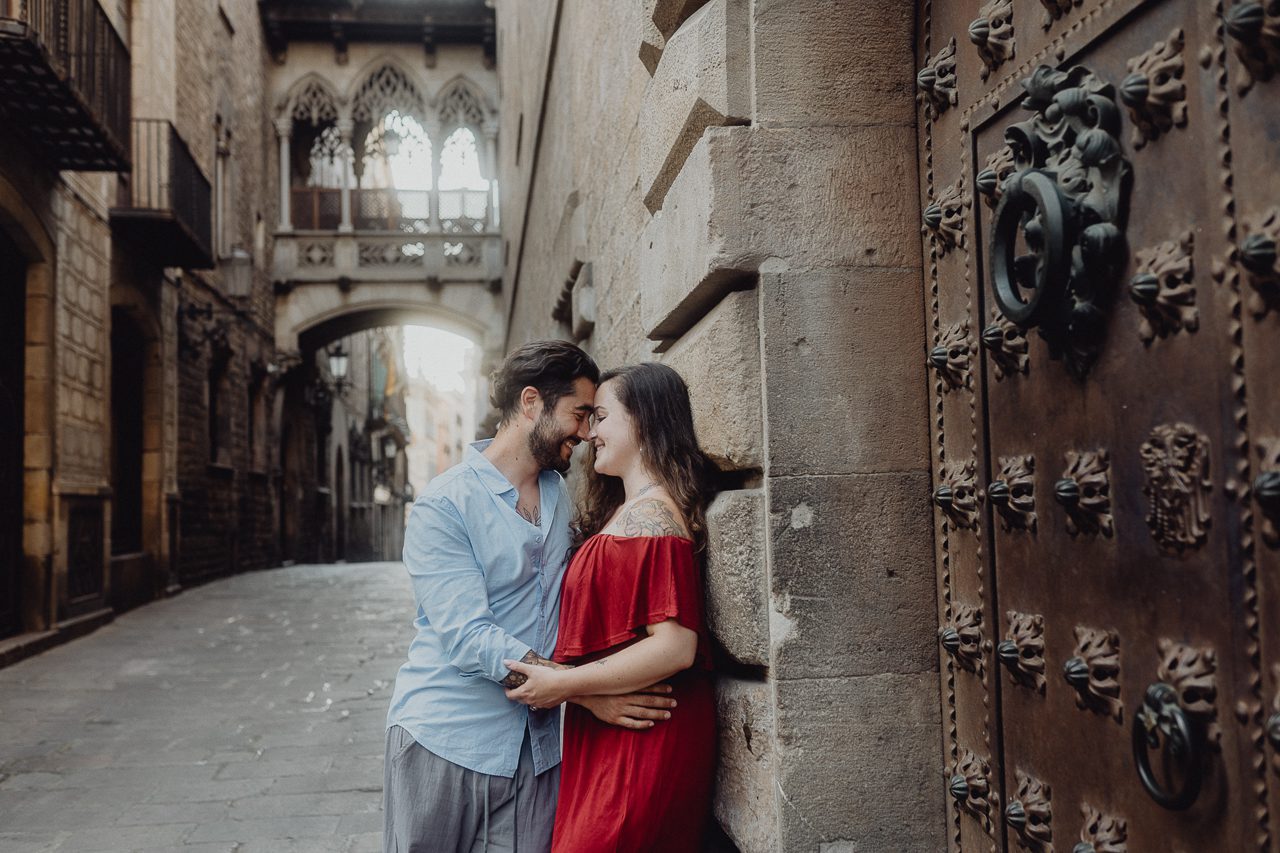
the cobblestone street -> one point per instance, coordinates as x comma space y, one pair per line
244, 715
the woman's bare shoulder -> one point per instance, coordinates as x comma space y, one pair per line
650, 516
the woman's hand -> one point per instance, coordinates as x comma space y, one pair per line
543, 687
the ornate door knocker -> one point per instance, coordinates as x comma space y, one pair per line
1067, 200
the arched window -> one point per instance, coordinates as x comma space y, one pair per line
395, 176
464, 190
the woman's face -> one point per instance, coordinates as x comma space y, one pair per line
612, 433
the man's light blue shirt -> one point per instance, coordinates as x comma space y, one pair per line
487, 584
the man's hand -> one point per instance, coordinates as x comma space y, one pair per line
515, 679
640, 710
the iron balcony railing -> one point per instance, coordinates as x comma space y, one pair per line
64, 70
168, 188
407, 211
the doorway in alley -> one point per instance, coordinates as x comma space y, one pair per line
12, 348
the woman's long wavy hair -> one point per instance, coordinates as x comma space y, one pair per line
657, 400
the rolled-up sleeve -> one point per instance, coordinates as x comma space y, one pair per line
450, 589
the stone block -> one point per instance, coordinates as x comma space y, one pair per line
703, 81
737, 581
844, 353
858, 762
745, 804
851, 575
720, 360
874, 82
748, 195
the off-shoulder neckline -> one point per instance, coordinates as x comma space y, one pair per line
684, 539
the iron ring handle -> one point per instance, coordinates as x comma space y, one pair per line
1030, 190
1161, 712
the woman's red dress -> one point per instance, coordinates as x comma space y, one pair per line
623, 790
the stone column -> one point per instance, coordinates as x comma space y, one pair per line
284, 130
345, 128
437, 145
491, 173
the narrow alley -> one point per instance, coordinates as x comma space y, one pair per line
244, 715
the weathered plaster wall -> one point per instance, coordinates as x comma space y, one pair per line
731, 179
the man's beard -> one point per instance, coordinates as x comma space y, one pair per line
545, 444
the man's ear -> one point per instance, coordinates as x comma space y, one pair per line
530, 402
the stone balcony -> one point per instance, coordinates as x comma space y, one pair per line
370, 257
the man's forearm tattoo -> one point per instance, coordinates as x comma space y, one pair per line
515, 679
651, 517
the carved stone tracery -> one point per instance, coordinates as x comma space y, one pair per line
1094, 672
951, 356
937, 81
1163, 289
1006, 342
1102, 833
1022, 653
1175, 458
1154, 90
992, 32
1030, 815
1085, 491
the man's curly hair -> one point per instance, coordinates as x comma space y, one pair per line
549, 366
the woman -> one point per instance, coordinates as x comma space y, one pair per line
632, 615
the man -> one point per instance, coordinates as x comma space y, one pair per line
486, 548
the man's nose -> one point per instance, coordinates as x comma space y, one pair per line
584, 430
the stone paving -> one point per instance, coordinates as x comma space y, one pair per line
241, 716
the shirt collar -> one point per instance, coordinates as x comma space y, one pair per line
489, 475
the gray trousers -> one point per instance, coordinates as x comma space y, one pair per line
434, 806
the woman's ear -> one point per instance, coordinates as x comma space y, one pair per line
529, 400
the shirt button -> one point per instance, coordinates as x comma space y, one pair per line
538, 539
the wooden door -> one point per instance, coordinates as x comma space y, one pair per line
12, 348
1085, 168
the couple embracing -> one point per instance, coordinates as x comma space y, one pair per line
525, 604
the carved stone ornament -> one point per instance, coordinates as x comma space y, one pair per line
1102, 833
951, 357
992, 32
1055, 9
1266, 489
937, 81
944, 219
1013, 494
990, 181
1163, 289
1085, 491
970, 785
1006, 342
1259, 256
1094, 672
963, 639
1068, 202
1030, 816
957, 494
1175, 459
1255, 28
1154, 91
1022, 652
1192, 672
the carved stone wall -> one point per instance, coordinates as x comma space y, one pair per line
732, 175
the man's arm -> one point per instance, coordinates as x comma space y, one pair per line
449, 586
640, 710
515, 679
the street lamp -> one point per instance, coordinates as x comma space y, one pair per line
338, 363
389, 447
